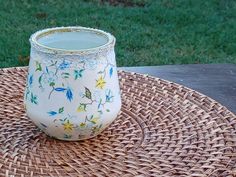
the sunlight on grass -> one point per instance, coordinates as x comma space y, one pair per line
160, 32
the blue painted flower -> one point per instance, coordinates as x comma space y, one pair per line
69, 94
109, 96
30, 80
78, 73
47, 69
60, 89
64, 65
52, 113
111, 71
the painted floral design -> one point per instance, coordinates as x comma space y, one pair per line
29, 95
78, 73
101, 102
68, 126
100, 83
53, 113
54, 77
50, 75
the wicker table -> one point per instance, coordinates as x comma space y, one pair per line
163, 129
215, 80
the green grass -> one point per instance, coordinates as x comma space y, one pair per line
162, 32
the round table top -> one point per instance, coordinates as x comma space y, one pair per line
163, 129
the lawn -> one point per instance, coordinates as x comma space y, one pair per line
160, 32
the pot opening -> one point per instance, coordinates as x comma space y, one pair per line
71, 38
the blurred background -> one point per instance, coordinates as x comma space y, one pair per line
148, 32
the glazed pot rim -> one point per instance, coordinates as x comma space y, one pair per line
41, 33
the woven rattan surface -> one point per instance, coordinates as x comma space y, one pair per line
164, 129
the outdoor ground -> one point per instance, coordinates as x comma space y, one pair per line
148, 32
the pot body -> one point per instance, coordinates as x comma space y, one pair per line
72, 95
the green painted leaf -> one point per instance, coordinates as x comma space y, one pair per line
61, 110
33, 99
108, 110
40, 80
81, 72
88, 93
52, 84
93, 121
82, 107
38, 66
76, 74
53, 63
100, 112
67, 74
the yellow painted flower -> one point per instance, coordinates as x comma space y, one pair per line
68, 126
82, 125
100, 83
97, 128
81, 108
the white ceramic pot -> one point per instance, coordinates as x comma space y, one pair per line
72, 90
